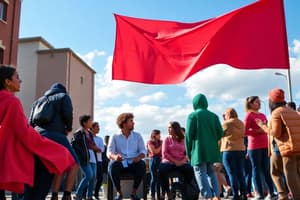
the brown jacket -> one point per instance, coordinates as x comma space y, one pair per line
285, 127
234, 133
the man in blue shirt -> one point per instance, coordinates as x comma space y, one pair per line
126, 151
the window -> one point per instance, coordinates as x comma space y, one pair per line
1, 55
3, 10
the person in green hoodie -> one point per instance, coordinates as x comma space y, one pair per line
203, 131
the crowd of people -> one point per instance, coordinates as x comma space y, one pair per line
252, 158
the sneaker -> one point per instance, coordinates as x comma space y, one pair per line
118, 197
67, 197
134, 197
249, 195
54, 197
227, 193
272, 197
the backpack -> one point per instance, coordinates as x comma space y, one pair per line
43, 111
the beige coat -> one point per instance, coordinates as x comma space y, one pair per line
234, 133
285, 127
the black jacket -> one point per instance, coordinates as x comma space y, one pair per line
80, 146
63, 117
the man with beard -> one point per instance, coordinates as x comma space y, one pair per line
126, 151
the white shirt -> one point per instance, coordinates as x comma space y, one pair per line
100, 144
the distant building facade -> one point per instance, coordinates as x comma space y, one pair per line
9, 31
40, 65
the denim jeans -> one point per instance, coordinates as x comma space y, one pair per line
234, 165
99, 178
207, 180
154, 164
261, 165
248, 175
88, 180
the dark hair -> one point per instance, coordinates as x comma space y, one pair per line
95, 124
177, 130
154, 133
83, 119
291, 104
6, 72
250, 100
106, 139
273, 105
122, 119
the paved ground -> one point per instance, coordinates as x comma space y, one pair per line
8, 197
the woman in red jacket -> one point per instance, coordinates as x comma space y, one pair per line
21, 145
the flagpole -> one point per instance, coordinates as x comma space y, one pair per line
289, 85
287, 52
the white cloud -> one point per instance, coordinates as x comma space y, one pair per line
147, 117
156, 97
90, 56
107, 89
296, 47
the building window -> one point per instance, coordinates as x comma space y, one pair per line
81, 80
3, 10
1, 55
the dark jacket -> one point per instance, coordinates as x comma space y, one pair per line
79, 144
63, 117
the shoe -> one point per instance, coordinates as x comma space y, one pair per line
227, 193
249, 195
171, 195
118, 197
67, 197
77, 197
96, 197
272, 197
134, 197
54, 197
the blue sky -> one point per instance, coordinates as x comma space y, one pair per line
88, 28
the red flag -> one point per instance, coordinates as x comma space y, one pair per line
165, 52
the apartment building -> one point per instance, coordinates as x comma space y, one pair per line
40, 65
9, 31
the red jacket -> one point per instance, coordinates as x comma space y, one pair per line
19, 142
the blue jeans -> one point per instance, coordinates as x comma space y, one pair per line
248, 175
207, 180
154, 164
234, 165
88, 180
261, 165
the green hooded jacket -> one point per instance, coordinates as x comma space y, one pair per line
203, 131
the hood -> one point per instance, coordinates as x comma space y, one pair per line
56, 88
200, 102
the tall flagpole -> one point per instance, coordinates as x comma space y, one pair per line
289, 85
287, 52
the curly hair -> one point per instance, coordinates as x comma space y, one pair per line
122, 119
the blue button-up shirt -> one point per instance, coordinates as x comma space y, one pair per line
129, 147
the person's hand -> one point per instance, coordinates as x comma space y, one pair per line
136, 159
259, 123
118, 157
